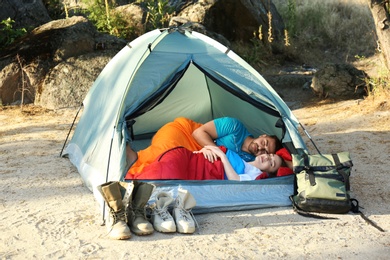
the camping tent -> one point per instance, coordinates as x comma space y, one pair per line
175, 72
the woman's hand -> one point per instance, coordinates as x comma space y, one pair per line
211, 153
231, 174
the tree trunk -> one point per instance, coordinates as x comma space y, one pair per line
382, 24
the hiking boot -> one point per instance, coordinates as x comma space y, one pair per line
137, 220
117, 196
161, 218
182, 212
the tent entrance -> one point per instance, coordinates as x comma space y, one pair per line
200, 98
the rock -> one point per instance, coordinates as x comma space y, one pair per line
134, 16
339, 81
56, 40
67, 84
26, 14
236, 20
69, 38
70, 48
10, 76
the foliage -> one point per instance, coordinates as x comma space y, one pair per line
339, 27
254, 53
158, 13
106, 19
379, 84
291, 19
7, 34
103, 15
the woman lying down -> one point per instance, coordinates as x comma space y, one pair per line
182, 164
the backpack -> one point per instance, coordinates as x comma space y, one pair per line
322, 183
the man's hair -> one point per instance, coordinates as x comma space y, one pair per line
278, 143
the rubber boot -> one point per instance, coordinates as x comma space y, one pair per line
117, 195
137, 220
182, 212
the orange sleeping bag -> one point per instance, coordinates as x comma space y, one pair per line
172, 134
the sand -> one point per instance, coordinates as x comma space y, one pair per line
48, 213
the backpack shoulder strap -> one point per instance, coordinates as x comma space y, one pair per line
339, 167
310, 172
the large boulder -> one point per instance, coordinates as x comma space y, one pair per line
134, 18
10, 76
26, 13
70, 49
339, 81
67, 84
236, 20
56, 40
19, 81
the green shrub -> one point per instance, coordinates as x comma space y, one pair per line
320, 28
102, 15
158, 13
378, 84
7, 34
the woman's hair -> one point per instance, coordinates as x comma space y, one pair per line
273, 173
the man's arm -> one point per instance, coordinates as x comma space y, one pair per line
206, 134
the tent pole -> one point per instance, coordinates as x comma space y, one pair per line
108, 168
74, 120
304, 129
109, 154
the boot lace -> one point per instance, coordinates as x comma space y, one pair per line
116, 216
185, 214
163, 212
196, 222
121, 215
139, 212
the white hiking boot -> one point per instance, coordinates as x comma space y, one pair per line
161, 218
182, 212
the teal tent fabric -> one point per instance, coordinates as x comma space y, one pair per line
172, 73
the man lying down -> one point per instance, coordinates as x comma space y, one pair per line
217, 150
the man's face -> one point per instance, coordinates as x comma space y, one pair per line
262, 145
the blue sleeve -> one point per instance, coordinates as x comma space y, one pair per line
236, 162
231, 134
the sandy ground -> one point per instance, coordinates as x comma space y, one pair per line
47, 212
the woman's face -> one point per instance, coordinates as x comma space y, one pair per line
268, 162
